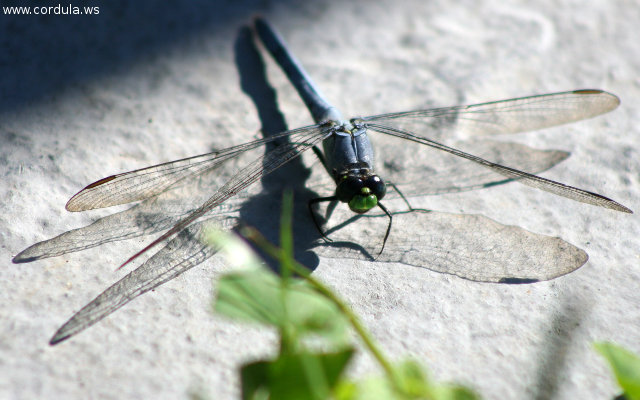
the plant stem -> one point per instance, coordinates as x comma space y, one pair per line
353, 319
255, 236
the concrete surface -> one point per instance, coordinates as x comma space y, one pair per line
83, 97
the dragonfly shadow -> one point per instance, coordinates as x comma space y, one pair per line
469, 246
353, 248
262, 210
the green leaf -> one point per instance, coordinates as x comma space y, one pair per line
453, 392
378, 388
413, 381
254, 379
409, 382
625, 366
346, 390
259, 296
294, 376
250, 296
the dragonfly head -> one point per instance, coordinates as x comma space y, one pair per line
361, 191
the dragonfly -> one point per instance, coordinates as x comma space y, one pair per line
348, 156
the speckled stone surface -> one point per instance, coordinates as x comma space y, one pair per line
83, 97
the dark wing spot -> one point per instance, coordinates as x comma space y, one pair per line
517, 281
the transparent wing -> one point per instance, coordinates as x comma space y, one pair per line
147, 182
548, 185
302, 140
185, 251
169, 202
149, 217
432, 172
505, 116
188, 247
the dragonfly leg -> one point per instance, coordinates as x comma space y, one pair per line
392, 185
386, 235
311, 202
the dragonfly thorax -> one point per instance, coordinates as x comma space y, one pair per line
347, 145
360, 189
